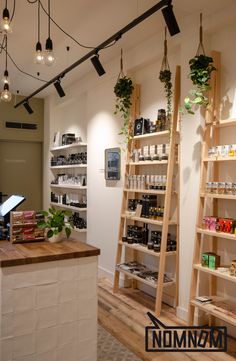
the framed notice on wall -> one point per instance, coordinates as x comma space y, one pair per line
112, 164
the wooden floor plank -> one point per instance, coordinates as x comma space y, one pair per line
123, 314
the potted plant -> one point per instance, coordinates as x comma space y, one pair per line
55, 222
123, 91
201, 67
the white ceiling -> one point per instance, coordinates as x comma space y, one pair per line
90, 22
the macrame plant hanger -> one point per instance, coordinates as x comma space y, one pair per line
165, 62
121, 73
200, 49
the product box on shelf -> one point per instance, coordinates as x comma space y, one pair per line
23, 227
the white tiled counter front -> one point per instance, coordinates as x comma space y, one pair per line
49, 311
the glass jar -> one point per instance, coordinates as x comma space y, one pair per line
208, 187
234, 188
214, 187
221, 187
229, 188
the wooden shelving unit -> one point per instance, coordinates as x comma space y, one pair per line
207, 201
70, 188
132, 168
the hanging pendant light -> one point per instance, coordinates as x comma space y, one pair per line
49, 55
39, 56
6, 94
6, 21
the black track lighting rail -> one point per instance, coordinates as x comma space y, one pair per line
115, 37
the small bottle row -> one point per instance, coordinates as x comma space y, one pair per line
225, 225
157, 182
78, 221
146, 126
140, 235
146, 207
228, 150
76, 158
79, 180
221, 188
149, 153
69, 200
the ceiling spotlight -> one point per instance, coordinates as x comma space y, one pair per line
6, 94
97, 65
49, 56
59, 89
38, 57
170, 20
5, 24
28, 107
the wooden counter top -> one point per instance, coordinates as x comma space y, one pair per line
38, 252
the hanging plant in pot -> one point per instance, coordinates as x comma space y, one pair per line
201, 68
165, 77
123, 91
56, 223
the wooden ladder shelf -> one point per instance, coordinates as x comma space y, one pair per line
210, 171
133, 251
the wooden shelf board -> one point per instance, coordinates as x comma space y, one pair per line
69, 166
68, 186
216, 273
144, 249
83, 230
145, 191
226, 123
216, 234
219, 159
130, 275
68, 146
64, 206
149, 162
152, 135
147, 220
218, 196
218, 312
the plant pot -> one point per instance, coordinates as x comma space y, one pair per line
56, 238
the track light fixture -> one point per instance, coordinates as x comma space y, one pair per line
6, 94
39, 56
28, 107
170, 19
6, 22
97, 65
59, 89
49, 57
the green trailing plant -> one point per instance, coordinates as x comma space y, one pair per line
201, 67
123, 91
165, 77
55, 222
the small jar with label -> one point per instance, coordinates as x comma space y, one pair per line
208, 187
221, 187
229, 188
234, 188
214, 188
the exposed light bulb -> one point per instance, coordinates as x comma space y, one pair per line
5, 24
49, 55
39, 56
6, 94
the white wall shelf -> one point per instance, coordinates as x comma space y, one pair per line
71, 208
70, 166
69, 146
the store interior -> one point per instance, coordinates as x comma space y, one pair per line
87, 111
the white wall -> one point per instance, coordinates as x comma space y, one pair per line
143, 62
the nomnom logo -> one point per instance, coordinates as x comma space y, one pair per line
162, 338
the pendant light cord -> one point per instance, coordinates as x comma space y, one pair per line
38, 21
49, 18
6, 53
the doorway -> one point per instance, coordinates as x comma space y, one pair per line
21, 172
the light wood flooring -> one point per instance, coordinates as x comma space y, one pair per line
124, 316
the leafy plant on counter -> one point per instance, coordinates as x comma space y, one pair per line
55, 222
165, 77
201, 67
123, 91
